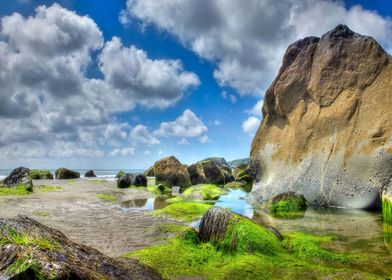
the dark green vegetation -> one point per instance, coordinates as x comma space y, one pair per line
288, 205
199, 193
387, 208
37, 174
233, 247
30, 250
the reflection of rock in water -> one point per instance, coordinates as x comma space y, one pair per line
349, 223
160, 203
134, 203
388, 236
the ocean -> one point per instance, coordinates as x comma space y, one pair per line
108, 174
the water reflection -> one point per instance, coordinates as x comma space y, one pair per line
145, 203
235, 200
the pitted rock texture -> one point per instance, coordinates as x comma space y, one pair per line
327, 123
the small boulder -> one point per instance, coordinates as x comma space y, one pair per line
140, 180
124, 181
170, 172
63, 173
120, 174
19, 177
150, 172
90, 174
36, 174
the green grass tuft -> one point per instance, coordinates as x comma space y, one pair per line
185, 211
387, 208
107, 197
49, 189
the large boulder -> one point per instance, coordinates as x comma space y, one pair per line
327, 126
125, 181
37, 174
90, 174
140, 180
220, 162
63, 173
237, 162
208, 172
170, 172
48, 254
150, 172
212, 173
19, 177
196, 173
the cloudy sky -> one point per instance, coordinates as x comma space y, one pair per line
120, 84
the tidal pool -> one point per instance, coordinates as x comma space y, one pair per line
356, 231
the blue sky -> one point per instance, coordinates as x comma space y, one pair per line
195, 90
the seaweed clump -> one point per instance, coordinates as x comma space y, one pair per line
288, 205
387, 207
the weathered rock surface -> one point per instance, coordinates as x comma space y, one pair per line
19, 176
237, 162
37, 174
125, 181
327, 123
220, 162
150, 172
63, 173
170, 172
90, 174
140, 180
30, 250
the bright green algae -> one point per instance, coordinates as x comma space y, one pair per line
257, 254
185, 211
387, 208
199, 192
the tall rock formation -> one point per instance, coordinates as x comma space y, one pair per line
327, 123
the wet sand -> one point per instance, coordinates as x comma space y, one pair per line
76, 211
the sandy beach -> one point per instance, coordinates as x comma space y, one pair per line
113, 228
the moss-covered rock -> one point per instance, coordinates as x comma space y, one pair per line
239, 168
124, 181
150, 172
30, 250
288, 205
247, 186
120, 174
235, 233
199, 193
63, 173
220, 162
185, 211
196, 174
19, 179
37, 174
170, 172
387, 207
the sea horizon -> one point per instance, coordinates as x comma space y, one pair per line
100, 173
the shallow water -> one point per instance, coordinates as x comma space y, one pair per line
356, 231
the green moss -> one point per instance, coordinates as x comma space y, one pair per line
159, 189
26, 240
185, 256
38, 174
107, 197
288, 206
50, 189
176, 199
185, 211
387, 208
244, 236
17, 190
307, 246
199, 193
